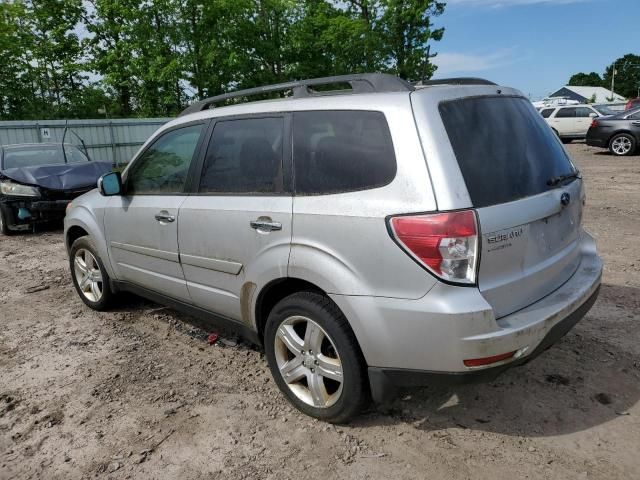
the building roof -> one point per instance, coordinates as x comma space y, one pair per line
602, 94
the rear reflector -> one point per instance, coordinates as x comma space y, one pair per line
478, 362
444, 243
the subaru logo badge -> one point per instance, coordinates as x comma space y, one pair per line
565, 199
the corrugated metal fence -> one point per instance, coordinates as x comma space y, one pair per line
106, 140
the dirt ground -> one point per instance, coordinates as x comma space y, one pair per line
137, 393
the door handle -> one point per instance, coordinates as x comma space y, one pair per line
637, 124
164, 216
266, 225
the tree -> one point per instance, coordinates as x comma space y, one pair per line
55, 52
406, 30
592, 79
141, 57
627, 81
111, 46
16, 91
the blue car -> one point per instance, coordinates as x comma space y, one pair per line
37, 182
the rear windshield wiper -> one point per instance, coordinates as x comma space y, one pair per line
553, 181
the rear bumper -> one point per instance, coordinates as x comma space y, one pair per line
384, 379
596, 142
598, 138
422, 342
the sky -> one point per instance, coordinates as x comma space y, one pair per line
534, 45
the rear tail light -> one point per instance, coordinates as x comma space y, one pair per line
594, 124
479, 362
446, 244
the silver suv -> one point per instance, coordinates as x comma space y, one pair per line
388, 235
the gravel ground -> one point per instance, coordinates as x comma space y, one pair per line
138, 393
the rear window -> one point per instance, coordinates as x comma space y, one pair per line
244, 156
341, 151
504, 148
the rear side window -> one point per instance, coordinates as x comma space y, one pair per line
566, 113
546, 113
505, 150
341, 151
244, 156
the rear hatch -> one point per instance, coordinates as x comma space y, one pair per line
525, 191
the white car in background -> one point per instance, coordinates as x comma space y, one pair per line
554, 102
570, 122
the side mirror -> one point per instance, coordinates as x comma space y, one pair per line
593, 115
110, 184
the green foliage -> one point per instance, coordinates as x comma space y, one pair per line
69, 58
592, 79
627, 82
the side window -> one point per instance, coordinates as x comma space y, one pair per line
341, 151
566, 113
546, 113
244, 156
163, 167
635, 116
583, 112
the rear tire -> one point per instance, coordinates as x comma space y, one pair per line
89, 276
308, 340
622, 144
566, 141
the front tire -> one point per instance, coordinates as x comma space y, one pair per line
314, 357
4, 227
622, 144
89, 276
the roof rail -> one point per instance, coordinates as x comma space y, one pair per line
455, 81
360, 83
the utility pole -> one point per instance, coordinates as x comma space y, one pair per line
613, 82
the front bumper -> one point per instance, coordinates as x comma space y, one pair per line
424, 342
23, 212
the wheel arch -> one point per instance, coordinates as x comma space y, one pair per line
618, 132
80, 222
73, 233
276, 290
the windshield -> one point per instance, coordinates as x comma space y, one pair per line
505, 149
36, 155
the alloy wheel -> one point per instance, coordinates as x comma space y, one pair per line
621, 145
88, 275
308, 361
